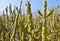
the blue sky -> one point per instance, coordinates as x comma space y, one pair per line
35, 4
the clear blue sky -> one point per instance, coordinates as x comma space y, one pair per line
35, 4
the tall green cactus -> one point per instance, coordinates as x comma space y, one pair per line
44, 21
44, 15
29, 16
29, 20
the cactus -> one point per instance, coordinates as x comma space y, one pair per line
44, 38
26, 27
29, 16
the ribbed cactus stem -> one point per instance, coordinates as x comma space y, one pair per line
44, 7
29, 16
44, 21
29, 19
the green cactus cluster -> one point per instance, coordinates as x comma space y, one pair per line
16, 26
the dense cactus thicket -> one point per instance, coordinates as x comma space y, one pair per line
16, 26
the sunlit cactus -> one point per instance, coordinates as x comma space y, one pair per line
15, 25
44, 15
29, 16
